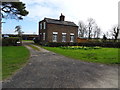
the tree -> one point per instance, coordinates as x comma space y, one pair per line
115, 32
18, 29
90, 27
96, 32
12, 10
104, 38
89, 30
20, 32
81, 29
108, 34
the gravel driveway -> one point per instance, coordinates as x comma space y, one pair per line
50, 70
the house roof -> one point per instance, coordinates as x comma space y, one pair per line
56, 21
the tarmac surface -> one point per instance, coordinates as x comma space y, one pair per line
46, 69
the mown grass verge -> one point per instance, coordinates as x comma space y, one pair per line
27, 40
35, 48
13, 58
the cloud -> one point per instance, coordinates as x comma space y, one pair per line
103, 11
42, 8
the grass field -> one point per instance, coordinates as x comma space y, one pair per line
101, 55
13, 58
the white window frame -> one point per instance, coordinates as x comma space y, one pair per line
43, 36
55, 32
71, 37
54, 37
71, 33
40, 25
44, 25
63, 37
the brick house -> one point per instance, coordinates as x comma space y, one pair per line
54, 30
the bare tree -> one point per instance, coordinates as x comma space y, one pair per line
85, 32
115, 32
96, 32
90, 27
81, 29
89, 30
108, 34
104, 38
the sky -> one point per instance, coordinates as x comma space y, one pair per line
104, 12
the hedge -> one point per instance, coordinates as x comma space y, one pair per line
101, 44
87, 44
10, 41
36, 40
91, 43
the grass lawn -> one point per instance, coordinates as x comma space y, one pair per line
13, 58
0, 63
101, 55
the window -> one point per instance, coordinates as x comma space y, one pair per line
63, 37
55, 36
43, 36
40, 25
71, 37
44, 25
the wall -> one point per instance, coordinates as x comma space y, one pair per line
61, 29
79, 40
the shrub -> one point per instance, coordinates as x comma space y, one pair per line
36, 40
10, 41
79, 47
56, 44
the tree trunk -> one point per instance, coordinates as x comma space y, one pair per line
21, 40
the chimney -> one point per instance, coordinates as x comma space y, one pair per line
62, 17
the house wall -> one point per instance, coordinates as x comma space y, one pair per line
61, 29
41, 31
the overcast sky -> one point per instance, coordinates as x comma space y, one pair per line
105, 13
